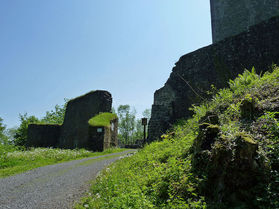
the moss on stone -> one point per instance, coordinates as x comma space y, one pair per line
81, 96
247, 138
103, 119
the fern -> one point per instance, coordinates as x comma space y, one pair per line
247, 79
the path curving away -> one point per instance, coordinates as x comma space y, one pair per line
53, 186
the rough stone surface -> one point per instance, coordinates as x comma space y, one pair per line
247, 108
207, 135
100, 137
230, 17
215, 64
96, 142
43, 135
112, 140
74, 133
233, 169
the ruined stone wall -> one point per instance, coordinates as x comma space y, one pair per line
114, 133
74, 131
40, 135
101, 138
231, 17
110, 137
95, 138
215, 64
107, 137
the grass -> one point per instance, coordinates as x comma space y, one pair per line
14, 161
90, 161
146, 179
103, 119
176, 172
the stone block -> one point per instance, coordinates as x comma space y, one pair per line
43, 135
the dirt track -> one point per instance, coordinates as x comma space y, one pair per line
53, 186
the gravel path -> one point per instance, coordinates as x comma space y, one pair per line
53, 186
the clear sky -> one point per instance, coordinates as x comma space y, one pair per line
56, 49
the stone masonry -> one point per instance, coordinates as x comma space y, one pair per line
215, 64
43, 135
74, 132
102, 137
231, 17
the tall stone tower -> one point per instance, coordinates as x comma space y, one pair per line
231, 17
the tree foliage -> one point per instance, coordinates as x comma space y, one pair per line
3, 137
21, 132
55, 116
126, 126
138, 134
130, 129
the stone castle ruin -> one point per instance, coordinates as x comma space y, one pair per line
245, 35
76, 132
104, 135
230, 17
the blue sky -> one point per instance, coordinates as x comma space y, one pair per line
56, 49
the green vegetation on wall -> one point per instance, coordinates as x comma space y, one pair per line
102, 119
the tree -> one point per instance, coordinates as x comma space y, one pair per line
130, 129
20, 137
126, 125
138, 134
3, 137
10, 133
2, 126
147, 114
57, 115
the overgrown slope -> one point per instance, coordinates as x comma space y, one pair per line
226, 156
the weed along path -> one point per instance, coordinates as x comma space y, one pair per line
53, 186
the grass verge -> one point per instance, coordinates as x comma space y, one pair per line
16, 161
